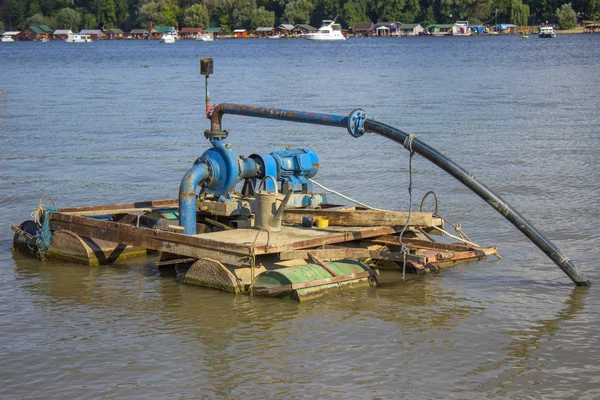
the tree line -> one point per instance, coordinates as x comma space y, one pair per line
250, 14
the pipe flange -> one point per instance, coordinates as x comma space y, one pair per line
215, 135
356, 122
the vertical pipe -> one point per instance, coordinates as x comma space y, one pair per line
187, 197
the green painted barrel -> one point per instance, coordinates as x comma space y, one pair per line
303, 282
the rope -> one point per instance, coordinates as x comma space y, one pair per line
345, 197
456, 237
408, 146
41, 216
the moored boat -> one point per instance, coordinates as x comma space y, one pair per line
329, 31
168, 37
8, 37
205, 37
461, 28
78, 38
547, 32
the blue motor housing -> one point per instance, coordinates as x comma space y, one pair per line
292, 166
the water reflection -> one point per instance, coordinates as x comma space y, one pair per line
532, 361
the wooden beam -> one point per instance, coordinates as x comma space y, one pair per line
122, 208
322, 263
359, 217
186, 245
333, 238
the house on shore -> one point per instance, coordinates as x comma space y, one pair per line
301, 29
61, 34
138, 34
190, 33
363, 29
95, 34
240, 33
114, 34
285, 30
387, 28
36, 32
411, 30
216, 31
265, 31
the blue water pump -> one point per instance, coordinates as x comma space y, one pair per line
218, 171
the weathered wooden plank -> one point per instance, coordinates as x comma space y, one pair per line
417, 243
139, 206
121, 233
322, 263
332, 238
359, 217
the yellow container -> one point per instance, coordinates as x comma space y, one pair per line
322, 222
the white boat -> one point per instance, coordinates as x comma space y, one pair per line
461, 28
547, 32
78, 38
329, 31
205, 37
7, 37
169, 37
275, 36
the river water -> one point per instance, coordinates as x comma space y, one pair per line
122, 121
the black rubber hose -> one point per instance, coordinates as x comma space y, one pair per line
485, 193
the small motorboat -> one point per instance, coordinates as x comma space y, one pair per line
168, 37
7, 37
547, 32
205, 37
77, 38
328, 31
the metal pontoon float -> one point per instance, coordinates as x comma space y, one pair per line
262, 240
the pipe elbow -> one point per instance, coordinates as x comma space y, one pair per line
187, 197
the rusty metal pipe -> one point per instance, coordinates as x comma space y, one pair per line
466, 178
273, 113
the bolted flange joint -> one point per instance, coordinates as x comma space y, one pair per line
356, 122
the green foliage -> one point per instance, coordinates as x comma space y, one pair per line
230, 14
107, 13
195, 16
159, 13
298, 12
567, 18
262, 17
67, 18
519, 13
396, 10
241, 14
593, 9
171, 12
89, 21
2, 28
39, 19
353, 12
429, 18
